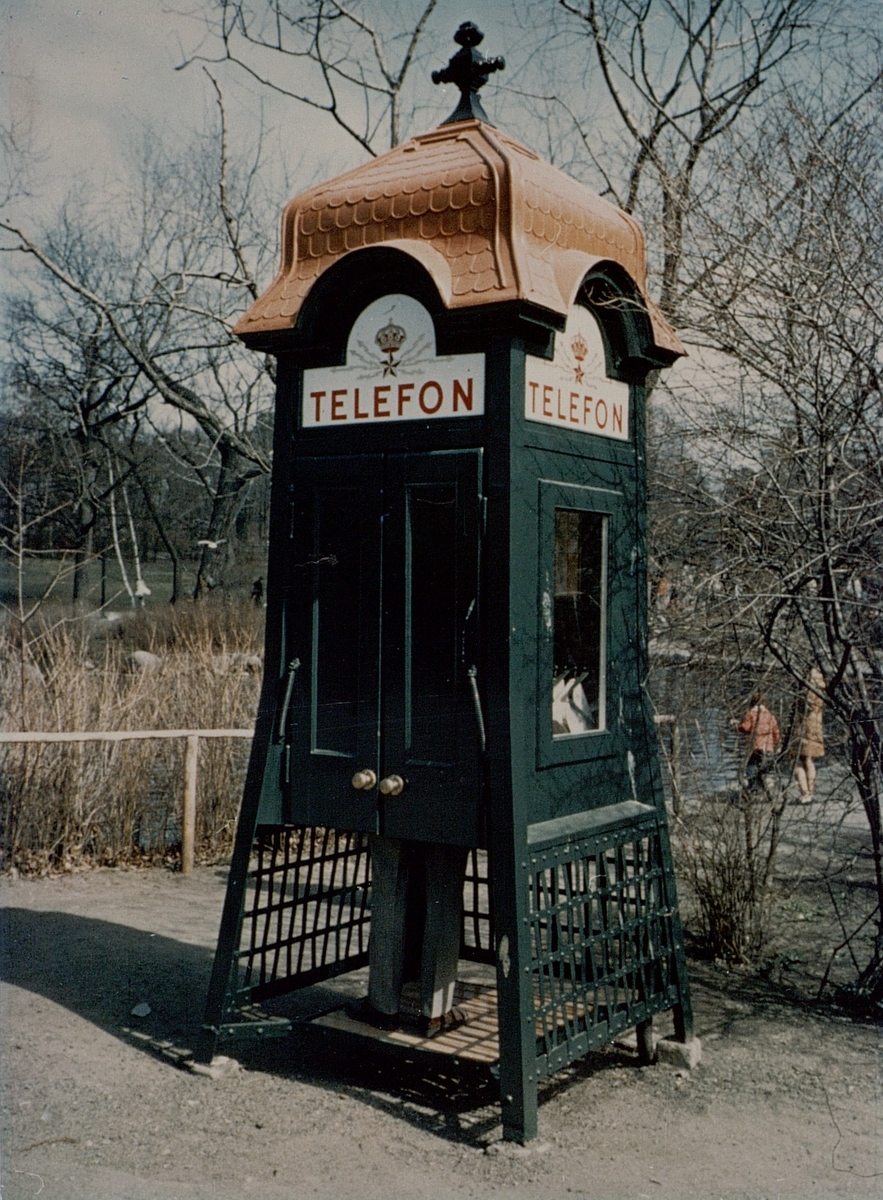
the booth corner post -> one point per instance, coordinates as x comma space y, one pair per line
456, 608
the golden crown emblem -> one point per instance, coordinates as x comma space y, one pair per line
579, 347
390, 338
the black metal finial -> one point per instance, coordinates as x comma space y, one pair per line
469, 70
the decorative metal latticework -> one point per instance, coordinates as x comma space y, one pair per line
602, 941
306, 915
307, 910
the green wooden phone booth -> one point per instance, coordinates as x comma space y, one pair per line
456, 600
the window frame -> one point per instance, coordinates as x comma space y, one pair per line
559, 749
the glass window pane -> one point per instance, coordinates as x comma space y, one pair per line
579, 627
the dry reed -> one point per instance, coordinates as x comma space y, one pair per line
68, 805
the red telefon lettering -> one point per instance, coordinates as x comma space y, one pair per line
431, 383
381, 399
404, 397
337, 410
460, 394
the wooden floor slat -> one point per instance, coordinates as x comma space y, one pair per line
477, 1039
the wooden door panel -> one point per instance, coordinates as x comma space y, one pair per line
431, 733
333, 627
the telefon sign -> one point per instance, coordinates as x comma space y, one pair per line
392, 373
573, 390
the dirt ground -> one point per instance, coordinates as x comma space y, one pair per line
97, 1105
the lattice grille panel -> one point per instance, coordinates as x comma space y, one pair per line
602, 941
307, 914
477, 942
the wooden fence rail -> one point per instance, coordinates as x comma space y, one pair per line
191, 764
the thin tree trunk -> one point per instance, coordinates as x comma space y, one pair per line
115, 531
160, 528
217, 548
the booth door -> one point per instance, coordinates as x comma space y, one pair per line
381, 611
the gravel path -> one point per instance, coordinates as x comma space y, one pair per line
96, 1104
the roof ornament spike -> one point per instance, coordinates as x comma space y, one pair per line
469, 70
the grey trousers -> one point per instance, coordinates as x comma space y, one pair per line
445, 866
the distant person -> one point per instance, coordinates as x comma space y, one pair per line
762, 733
257, 592
812, 737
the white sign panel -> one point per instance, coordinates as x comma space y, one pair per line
392, 372
573, 391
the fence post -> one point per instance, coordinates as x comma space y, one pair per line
188, 816
676, 766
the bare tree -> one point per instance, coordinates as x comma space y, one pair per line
350, 60
27, 510
156, 280
70, 372
680, 75
789, 290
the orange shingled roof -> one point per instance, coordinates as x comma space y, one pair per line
488, 219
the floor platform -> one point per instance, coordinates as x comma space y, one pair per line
476, 1039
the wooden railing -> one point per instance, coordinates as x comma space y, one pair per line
191, 764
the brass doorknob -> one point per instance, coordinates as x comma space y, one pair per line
363, 781
392, 785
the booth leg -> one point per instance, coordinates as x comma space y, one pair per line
683, 1019
519, 1104
646, 1049
518, 1046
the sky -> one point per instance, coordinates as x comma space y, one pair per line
80, 77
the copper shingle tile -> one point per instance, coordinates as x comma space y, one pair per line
449, 227
509, 226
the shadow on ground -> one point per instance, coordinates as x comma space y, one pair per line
101, 970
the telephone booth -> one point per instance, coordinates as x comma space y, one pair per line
456, 605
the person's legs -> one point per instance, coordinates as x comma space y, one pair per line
805, 773
810, 775
445, 866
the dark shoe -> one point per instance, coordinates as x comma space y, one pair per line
365, 1013
433, 1026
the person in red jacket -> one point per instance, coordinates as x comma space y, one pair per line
762, 733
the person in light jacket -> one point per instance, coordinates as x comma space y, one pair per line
762, 733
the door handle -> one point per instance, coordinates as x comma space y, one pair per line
476, 703
392, 785
363, 781
289, 688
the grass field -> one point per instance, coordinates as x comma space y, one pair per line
40, 572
